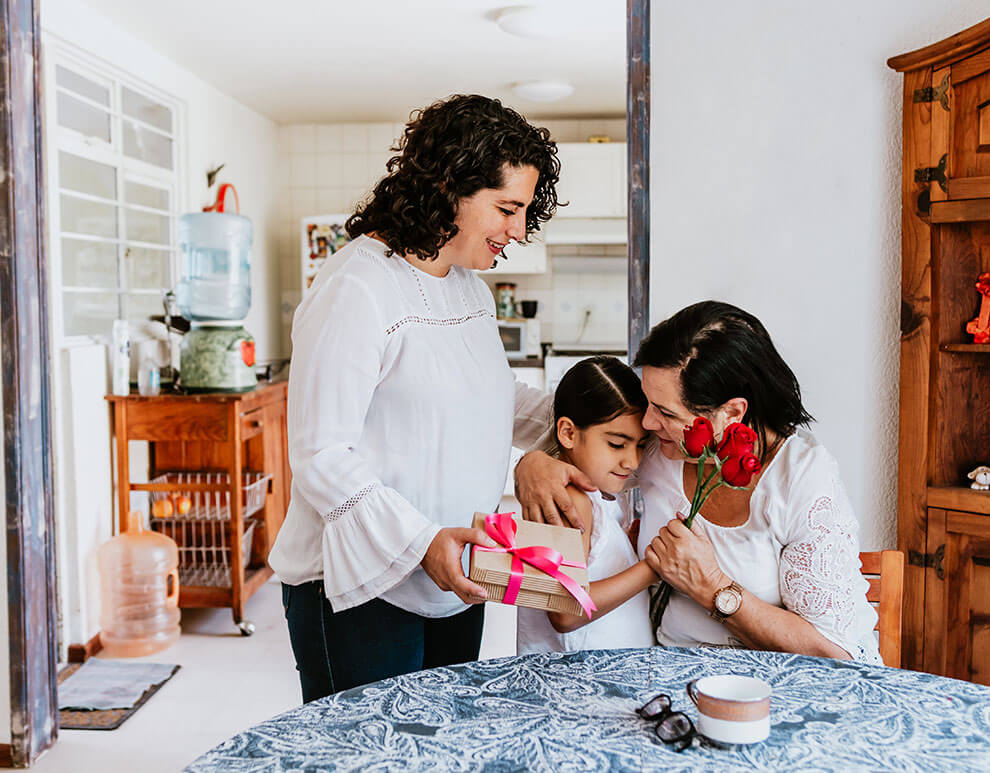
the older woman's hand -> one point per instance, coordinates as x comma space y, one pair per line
686, 559
541, 488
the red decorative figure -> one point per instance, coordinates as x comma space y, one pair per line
979, 328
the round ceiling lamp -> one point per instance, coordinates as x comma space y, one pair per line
543, 91
527, 21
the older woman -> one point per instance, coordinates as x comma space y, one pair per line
772, 567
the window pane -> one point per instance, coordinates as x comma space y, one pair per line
144, 109
88, 217
90, 313
141, 308
83, 118
146, 269
145, 195
146, 226
147, 145
75, 82
85, 176
89, 264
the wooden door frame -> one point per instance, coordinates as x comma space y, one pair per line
26, 365
638, 145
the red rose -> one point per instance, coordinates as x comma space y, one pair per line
739, 470
698, 437
738, 439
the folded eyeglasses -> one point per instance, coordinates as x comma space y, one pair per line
674, 728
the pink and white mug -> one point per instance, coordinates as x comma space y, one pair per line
732, 709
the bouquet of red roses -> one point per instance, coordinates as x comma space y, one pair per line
733, 464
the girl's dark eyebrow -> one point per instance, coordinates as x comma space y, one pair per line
622, 435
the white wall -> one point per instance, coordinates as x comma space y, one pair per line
775, 185
217, 129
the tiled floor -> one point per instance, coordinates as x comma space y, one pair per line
227, 683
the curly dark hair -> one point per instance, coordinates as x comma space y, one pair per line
449, 151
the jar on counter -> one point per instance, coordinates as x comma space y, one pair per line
505, 300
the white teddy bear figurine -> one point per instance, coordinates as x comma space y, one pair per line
981, 478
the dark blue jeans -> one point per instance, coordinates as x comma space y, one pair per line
335, 651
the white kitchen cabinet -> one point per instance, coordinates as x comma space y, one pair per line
523, 258
592, 179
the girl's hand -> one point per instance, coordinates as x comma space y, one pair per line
442, 562
686, 559
541, 488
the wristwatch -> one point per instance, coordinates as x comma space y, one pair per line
726, 602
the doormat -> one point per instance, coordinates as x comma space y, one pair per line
102, 719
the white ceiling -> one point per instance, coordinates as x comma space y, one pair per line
313, 61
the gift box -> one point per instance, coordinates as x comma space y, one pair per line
493, 569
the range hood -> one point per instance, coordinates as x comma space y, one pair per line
590, 230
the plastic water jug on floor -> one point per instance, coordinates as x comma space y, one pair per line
139, 579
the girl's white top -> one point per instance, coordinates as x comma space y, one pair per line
625, 626
799, 549
400, 422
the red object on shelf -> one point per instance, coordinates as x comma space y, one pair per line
979, 327
219, 204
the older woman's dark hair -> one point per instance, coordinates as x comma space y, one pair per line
597, 390
449, 151
724, 352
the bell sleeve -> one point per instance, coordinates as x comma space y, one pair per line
819, 564
372, 536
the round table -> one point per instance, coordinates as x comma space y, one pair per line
576, 711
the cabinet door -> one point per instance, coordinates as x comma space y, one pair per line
592, 179
957, 620
969, 153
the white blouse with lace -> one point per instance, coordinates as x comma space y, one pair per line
401, 412
799, 549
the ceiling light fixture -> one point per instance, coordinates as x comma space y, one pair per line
543, 91
532, 22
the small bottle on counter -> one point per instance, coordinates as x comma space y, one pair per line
120, 358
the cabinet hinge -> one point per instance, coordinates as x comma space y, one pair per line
938, 93
927, 174
929, 560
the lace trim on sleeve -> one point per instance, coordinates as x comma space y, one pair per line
351, 502
817, 572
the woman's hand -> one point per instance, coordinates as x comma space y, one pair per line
541, 488
442, 562
686, 559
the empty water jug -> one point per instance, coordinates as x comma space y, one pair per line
139, 579
216, 266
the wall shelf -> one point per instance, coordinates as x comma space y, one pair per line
966, 348
959, 498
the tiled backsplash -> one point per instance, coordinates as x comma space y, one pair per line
328, 168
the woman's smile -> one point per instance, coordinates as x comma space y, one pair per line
495, 247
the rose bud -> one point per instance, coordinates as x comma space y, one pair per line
739, 470
698, 437
737, 439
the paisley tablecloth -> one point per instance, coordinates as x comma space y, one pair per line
575, 712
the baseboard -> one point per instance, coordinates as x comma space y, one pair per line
80, 653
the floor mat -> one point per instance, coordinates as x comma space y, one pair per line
107, 719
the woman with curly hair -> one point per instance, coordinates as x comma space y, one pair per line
402, 407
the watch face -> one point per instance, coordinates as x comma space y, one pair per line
727, 601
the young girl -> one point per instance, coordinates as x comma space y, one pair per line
598, 412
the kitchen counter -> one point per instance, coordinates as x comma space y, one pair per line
528, 362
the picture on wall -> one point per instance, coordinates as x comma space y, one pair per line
322, 237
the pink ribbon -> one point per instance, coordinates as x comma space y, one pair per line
501, 528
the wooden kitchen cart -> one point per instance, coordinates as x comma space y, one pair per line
944, 525
224, 452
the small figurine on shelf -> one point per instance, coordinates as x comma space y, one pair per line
980, 477
979, 327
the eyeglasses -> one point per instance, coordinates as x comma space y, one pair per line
673, 727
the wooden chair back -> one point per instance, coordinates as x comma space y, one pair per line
885, 571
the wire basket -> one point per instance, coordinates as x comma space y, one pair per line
211, 505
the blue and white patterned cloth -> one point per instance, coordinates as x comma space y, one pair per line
576, 711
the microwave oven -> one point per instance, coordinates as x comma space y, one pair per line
520, 338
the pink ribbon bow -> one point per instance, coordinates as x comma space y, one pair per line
501, 528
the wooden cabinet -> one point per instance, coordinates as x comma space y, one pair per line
943, 525
228, 454
592, 179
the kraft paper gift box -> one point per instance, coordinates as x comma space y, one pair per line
539, 590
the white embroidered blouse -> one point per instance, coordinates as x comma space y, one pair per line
401, 412
799, 549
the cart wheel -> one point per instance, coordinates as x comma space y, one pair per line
246, 627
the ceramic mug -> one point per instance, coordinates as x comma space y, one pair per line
732, 709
